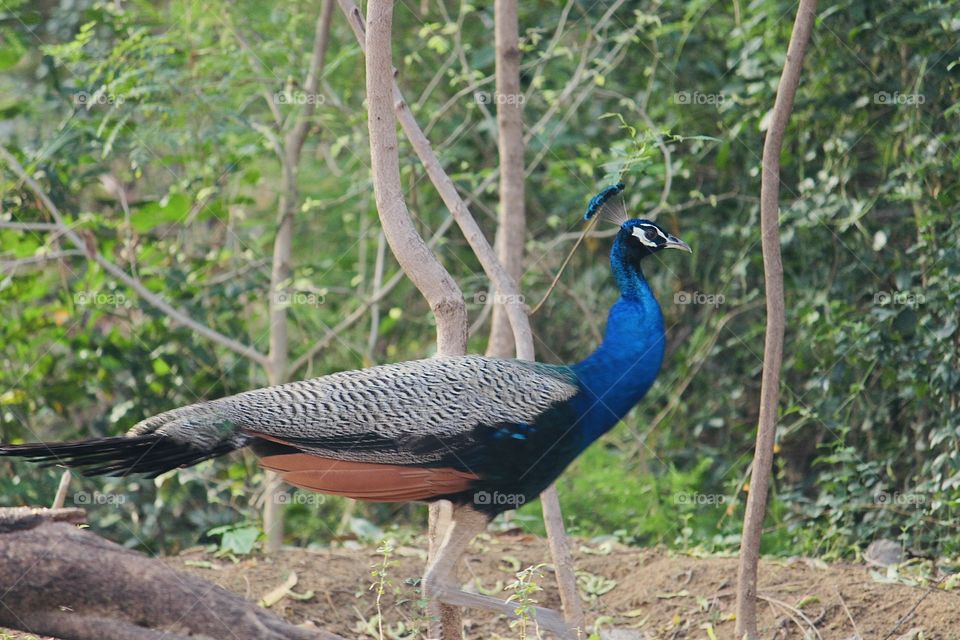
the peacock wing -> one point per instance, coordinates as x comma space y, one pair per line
410, 413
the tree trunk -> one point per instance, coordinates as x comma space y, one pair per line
55, 583
413, 254
511, 223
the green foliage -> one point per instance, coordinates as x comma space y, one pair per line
148, 126
605, 493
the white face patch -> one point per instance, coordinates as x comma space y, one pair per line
640, 232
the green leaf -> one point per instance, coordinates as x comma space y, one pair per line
236, 540
171, 209
160, 367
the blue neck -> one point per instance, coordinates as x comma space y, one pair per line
618, 374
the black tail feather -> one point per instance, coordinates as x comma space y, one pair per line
149, 454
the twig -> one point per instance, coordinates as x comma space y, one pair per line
377, 285
29, 226
256, 64
9, 266
843, 603
667, 163
549, 51
698, 360
227, 276
61, 496
910, 613
564, 264
792, 611
746, 606
113, 185
587, 54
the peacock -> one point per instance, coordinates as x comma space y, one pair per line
487, 434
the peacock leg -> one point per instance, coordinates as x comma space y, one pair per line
440, 583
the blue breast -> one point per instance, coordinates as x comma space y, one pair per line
524, 458
620, 372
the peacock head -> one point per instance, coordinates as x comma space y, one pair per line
638, 239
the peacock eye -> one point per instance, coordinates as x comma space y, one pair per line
651, 234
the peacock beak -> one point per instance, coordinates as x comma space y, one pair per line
674, 242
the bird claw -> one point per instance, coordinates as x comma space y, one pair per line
546, 619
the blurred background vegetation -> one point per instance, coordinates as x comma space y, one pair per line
147, 124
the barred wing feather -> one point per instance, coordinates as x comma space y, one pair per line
403, 413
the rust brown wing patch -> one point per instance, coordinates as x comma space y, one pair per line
364, 480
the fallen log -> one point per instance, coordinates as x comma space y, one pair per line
60, 580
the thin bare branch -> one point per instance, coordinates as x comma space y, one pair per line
667, 162
290, 160
563, 265
261, 70
9, 266
773, 343
175, 315
29, 226
377, 285
321, 43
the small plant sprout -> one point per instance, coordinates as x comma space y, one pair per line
381, 578
524, 588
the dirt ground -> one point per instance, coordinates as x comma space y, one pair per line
628, 593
